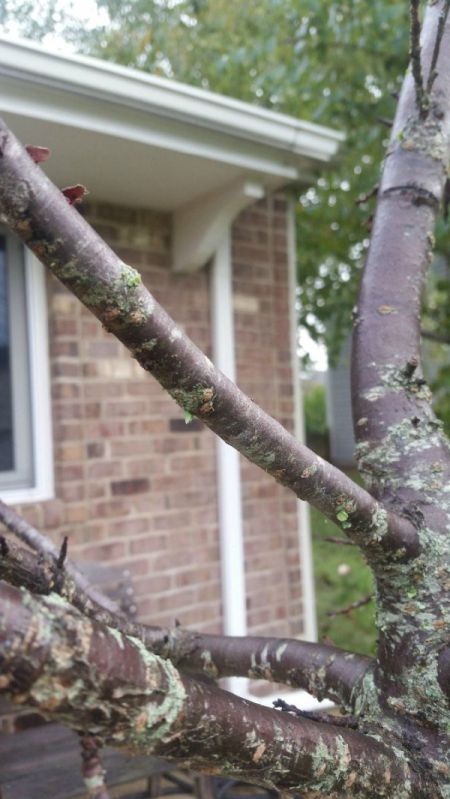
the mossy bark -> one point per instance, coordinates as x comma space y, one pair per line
82, 666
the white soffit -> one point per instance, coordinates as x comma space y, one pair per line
136, 139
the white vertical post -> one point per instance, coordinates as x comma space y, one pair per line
228, 467
304, 525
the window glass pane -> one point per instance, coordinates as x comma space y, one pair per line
6, 421
16, 447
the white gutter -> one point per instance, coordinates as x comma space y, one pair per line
234, 612
88, 77
228, 466
304, 525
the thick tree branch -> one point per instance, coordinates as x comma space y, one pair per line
113, 291
401, 448
96, 680
324, 671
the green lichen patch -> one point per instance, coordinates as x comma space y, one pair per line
119, 300
197, 401
153, 721
379, 463
395, 380
209, 667
309, 471
424, 136
130, 277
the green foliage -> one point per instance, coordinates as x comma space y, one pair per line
437, 322
331, 63
314, 405
342, 577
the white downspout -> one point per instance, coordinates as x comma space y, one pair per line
304, 524
228, 466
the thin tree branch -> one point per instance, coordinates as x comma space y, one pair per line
19, 527
92, 769
351, 722
360, 603
113, 291
363, 198
341, 541
324, 671
437, 47
439, 338
132, 698
385, 121
415, 55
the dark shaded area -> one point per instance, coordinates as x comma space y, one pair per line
6, 430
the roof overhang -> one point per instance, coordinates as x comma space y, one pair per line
139, 140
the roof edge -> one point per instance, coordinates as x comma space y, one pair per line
25, 60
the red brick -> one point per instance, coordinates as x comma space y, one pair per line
135, 486
113, 436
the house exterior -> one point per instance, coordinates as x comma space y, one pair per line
189, 188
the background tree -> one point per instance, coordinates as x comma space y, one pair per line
336, 64
137, 686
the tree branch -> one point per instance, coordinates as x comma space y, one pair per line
113, 291
415, 55
19, 527
400, 445
324, 671
439, 338
437, 47
359, 603
401, 448
91, 767
96, 680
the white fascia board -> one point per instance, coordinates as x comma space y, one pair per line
165, 98
130, 124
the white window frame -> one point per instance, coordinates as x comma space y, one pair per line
41, 435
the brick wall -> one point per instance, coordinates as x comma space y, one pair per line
264, 371
136, 486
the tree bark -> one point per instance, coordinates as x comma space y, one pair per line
147, 688
100, 681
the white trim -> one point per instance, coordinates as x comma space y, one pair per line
36, 300
199, 228
166, 98
304, 524
228, 466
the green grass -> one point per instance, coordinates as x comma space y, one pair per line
356, 630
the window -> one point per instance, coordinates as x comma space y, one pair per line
25, 432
